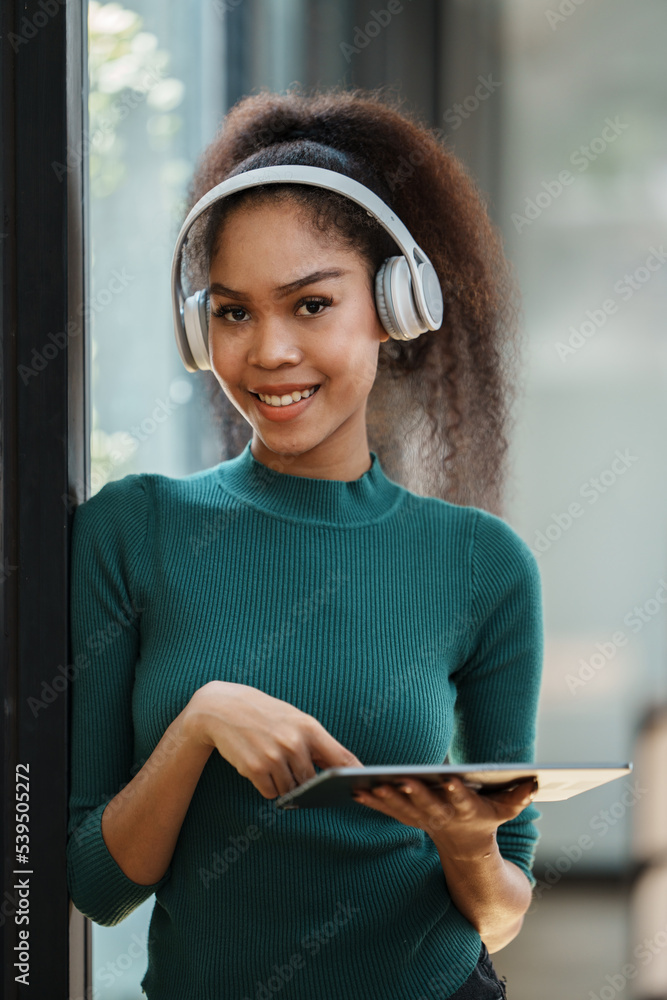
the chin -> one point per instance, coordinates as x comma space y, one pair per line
286, 448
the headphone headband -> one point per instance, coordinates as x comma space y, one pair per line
424, 284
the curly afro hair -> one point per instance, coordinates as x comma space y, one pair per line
440, 409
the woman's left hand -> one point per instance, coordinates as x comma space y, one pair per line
454, 815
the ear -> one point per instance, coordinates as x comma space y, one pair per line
382, 334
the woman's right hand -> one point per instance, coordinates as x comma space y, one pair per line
269, 741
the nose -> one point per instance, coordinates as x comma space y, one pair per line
273, 344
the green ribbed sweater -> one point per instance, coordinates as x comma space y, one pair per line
411, 628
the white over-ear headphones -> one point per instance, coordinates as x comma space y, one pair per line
408, 296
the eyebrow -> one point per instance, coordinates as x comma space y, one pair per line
281, 290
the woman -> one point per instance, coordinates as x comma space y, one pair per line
295, 608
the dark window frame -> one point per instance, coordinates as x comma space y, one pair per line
45, 461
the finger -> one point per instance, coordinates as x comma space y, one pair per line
379, 794
265, 779
283, 779
300, 772
458, 794
416, 808
287, 773
302, 766
428, 800
422, 794
368, 797
385, 798
515, 799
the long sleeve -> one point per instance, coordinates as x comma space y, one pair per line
108, 563
306, 589
498, 686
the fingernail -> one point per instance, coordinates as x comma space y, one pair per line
406, 788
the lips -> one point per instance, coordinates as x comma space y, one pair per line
287, 411
284, 398
281, 390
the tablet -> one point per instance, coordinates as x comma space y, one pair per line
334, 786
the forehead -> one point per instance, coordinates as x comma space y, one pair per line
276, 233
268, 216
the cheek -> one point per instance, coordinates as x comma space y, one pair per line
349, 363
353, 347
361, 360
224, 364
362, 374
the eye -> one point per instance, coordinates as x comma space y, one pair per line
310, 303
314, 301
223, 310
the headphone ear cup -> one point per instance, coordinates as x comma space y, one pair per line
395, 302
381, 302
196, 318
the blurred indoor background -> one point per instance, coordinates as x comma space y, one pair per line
523, 91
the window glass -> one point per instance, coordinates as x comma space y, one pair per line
156, 98
154, 103
584, 208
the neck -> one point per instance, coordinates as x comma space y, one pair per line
343, 503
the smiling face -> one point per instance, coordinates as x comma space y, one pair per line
291, 310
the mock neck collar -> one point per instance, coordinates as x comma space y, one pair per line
334, 502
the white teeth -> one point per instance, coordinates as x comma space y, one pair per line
288, 398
